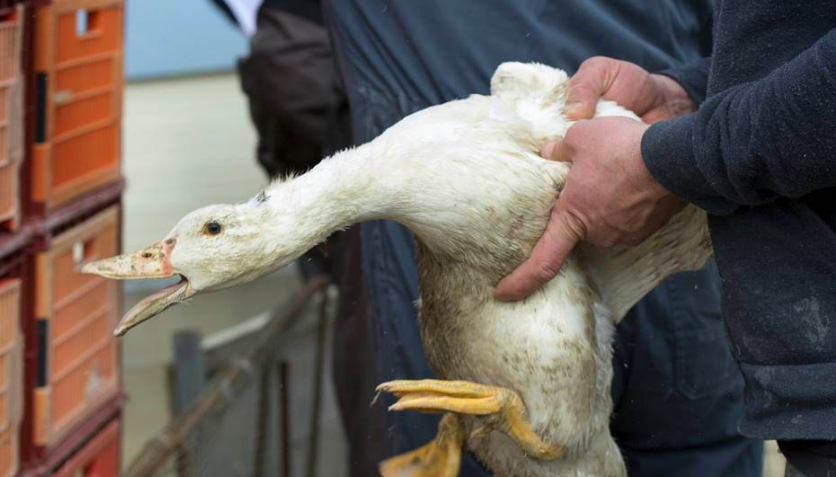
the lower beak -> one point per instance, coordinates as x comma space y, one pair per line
152, 262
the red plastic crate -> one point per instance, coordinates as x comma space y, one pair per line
78, 82
45, 462
98, 458
11, 116
11, 374
77, 367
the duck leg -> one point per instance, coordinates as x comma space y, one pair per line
503, 409
440, 458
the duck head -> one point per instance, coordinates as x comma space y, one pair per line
214, 247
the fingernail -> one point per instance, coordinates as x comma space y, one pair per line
500, 296
573, 103
546, 151
573, 108
499, 292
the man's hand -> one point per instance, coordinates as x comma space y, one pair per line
609, 198
652, 97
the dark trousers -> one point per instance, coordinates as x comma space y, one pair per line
812, 458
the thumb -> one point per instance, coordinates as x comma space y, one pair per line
563, 232
586, 87
582, 100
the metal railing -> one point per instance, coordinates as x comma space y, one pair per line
228, 427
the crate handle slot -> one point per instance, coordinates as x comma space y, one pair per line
63, 96
86, 22
41, 379
42, 89
83, 251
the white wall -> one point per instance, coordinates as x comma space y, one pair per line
187, 143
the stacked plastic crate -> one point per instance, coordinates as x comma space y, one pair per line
15, 280
11, 114
60, 386
15, 238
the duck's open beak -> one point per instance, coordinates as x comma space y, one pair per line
152, 262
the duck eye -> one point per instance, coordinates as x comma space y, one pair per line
212, 228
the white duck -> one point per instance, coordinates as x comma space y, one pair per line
525, 385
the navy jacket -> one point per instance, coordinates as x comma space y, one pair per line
760, 157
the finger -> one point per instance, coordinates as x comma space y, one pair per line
586, 87
558, 151
562, 234
655, 115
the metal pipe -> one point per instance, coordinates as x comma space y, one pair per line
284, 402
322, 330
262, 417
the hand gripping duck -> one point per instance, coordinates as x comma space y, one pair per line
524, 385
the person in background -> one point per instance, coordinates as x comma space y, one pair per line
300, 112
677, 391
758, 156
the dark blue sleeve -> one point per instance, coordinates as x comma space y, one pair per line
693, 77
755, 142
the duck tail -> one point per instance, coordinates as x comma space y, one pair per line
531, 86
536, 93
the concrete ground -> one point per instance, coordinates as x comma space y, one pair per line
189, 143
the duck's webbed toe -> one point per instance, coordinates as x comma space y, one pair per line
503, 409
440, 458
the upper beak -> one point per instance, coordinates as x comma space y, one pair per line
152, 262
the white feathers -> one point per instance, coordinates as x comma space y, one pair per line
528, 84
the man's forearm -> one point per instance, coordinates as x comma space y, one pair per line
755, 142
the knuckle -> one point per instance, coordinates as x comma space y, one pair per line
576, 225
571, 222
596, 62
545, 270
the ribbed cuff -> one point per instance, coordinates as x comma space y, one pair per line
669, 154
667, 150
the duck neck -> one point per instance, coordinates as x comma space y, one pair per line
340, 191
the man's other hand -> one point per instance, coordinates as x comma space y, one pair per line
652, 97
609, 198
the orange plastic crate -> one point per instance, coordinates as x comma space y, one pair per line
11, 375
76, 314
11, 117
98, 458
9, 193
78, 82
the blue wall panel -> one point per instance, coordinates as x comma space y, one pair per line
176, 37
